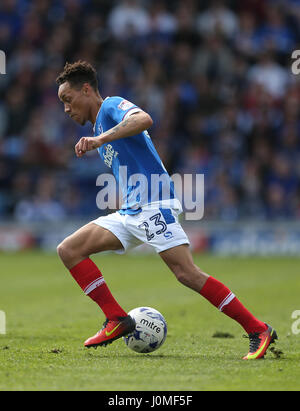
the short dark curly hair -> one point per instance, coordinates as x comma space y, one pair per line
77, 74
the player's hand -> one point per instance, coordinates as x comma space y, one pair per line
86, 144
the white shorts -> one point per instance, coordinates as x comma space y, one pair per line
157, 227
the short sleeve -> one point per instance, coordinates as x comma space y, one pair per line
119, 108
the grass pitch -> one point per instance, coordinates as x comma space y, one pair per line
48, 318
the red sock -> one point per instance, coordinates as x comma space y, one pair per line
90, 279
222, 298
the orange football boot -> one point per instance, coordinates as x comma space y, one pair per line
111, 330
260, 342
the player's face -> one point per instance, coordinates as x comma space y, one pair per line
76, 102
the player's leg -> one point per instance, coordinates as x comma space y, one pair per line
89, 239
75, 251
180, 261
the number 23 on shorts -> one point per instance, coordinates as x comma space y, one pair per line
156, 219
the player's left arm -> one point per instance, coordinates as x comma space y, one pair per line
132, 125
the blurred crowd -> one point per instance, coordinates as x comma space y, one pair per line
214, 75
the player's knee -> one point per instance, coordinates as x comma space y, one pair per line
65, 252
61, 250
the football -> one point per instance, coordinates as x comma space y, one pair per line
150, 331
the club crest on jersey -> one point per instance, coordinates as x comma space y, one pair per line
125, 105
109, 155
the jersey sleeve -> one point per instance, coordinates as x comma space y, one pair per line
119, 108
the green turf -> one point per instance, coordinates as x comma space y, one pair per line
48, 318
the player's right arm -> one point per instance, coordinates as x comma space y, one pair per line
130, 126
134, 124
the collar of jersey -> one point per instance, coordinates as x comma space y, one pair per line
94, 127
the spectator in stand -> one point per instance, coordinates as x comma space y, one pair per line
271, 75
42, 206
129, 19
277, 208
161, 20
274, 34
245, 41
218, 19
214, 59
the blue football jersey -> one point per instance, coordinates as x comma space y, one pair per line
134, 161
